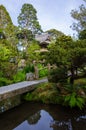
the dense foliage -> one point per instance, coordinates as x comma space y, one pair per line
54, 33
70, 55
80, 17
51, 93
27, 19
20, 54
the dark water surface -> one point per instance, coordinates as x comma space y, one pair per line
37, 116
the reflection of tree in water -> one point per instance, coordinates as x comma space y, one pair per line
61, 125
83, 117
34, 118
66, 119
70, 124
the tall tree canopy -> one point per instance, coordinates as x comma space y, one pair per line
82, 35
27, 19
5, 19
80, 17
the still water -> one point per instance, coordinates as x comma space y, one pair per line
37, 116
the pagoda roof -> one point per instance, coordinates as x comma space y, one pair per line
45, 37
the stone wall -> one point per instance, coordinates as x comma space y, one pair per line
10, 103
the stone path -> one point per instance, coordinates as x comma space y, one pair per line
18, 88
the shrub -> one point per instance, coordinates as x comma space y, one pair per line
29, 68
74, 100
4, 81
57, 75
42, 71
1, 74
46, 93
19, 76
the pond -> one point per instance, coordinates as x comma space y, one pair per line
37, 116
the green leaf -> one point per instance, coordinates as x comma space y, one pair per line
67, 98
80, 102
72, 102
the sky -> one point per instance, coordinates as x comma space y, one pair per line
51, 14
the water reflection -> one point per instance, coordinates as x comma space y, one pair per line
62, 125
43, 121
35, 116
39, 121
81, 118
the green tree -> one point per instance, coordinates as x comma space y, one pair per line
80, 17
54, 33
82, 35
6, 55
7, 27
2, 35
64, 39
25, 34
8, 44
5, 19
25, 38
34, 52
77, 58
27, 19
70, 55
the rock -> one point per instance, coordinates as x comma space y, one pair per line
29, 76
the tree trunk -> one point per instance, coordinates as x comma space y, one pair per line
72, 76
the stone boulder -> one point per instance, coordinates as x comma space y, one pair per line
29, 76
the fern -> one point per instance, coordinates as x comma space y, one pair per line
67, 98
80, 102
73, 100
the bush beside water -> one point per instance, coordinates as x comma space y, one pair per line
59, 94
